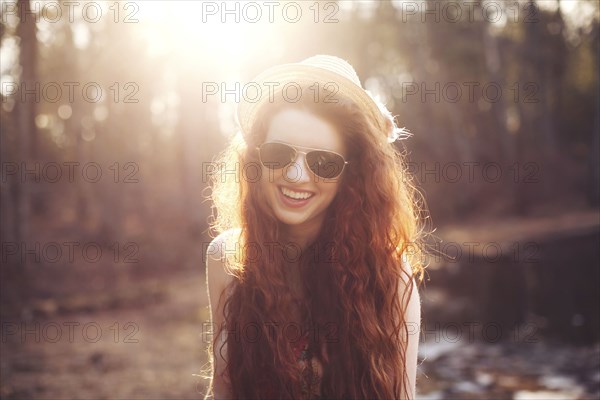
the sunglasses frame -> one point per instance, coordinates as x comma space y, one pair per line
296, 151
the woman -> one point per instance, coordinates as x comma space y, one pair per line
311, 291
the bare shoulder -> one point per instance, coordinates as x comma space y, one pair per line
218, 277
217, 274
404, 263
407, 270
412, 319
409, 290
226, 242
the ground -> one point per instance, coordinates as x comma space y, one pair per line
154, 357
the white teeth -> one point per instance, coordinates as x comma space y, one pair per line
295, 195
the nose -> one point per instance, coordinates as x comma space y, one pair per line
297, 171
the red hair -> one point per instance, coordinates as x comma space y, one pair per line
352, 272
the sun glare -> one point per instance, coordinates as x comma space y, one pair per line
223, 44
194, 32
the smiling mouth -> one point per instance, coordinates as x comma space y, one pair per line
295, 194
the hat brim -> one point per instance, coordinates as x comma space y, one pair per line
276, 83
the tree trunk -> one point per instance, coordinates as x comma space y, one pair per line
26, 111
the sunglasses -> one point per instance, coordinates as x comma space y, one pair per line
323, 163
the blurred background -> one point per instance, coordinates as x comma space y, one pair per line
112, 112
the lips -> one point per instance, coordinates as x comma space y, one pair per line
300, 197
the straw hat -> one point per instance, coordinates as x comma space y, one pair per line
325, 71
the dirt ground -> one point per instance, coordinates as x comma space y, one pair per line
148, 352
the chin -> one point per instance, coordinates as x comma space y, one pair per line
290, 218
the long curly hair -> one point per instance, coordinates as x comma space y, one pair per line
351, 272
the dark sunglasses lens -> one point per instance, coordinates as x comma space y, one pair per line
276, 155
325, 164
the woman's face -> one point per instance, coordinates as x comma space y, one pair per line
295, 194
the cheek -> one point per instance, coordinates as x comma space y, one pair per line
268, 177
265, 184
